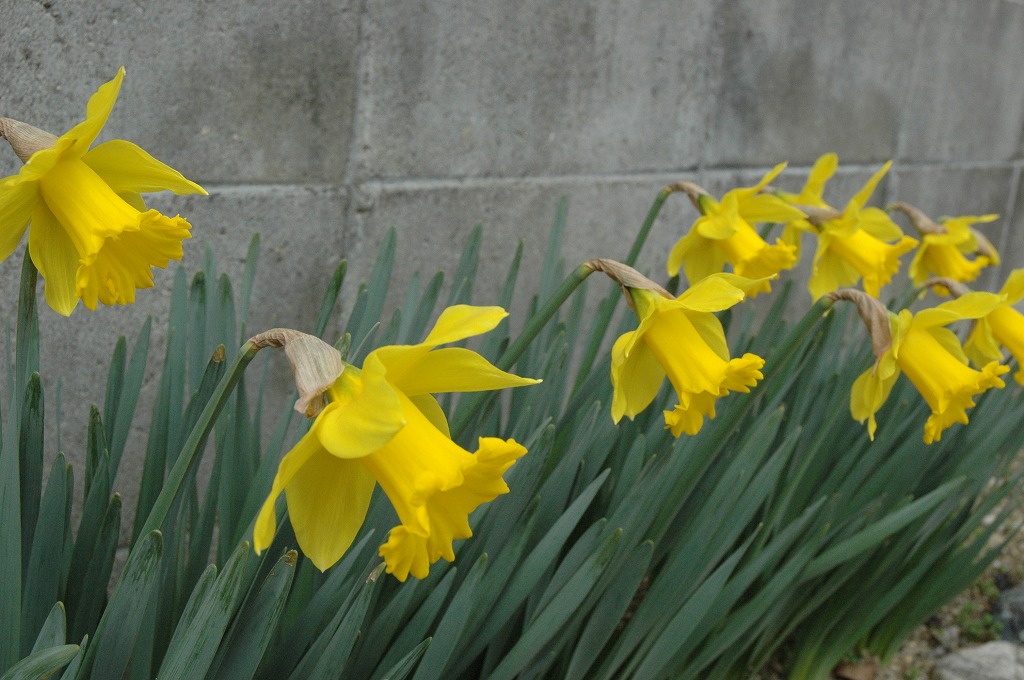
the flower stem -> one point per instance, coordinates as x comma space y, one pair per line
190, 451
605, 310
540, 319
645, 229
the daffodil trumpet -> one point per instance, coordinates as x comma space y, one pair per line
681, 339
920, 346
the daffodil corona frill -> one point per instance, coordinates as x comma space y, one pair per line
723, 234
859, 242
682, 338
1003, 326
382, 425
931, 356
91, 236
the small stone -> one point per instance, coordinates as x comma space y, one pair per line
1009, 610
990, 661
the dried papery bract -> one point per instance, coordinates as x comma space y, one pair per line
626, 277
25, 139
920, 221
315, 365
874, 315
955, 288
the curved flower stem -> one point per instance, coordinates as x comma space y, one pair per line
189, 455
543, 315
605, 310
645, 228
515, 350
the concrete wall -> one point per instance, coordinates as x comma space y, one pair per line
321, 123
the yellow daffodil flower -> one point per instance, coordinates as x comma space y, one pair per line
944, 246
91, 238
382, 425
931, 356
1003, 326
859, 242
723, 234
681, 338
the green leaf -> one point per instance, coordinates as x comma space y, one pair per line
206, 618
44, 578
53, 632
465, 273
108, 655
450, 629
91, 590
549, 622
10, 544
42, 664
31, 463
609, 613
120, 425
344, 631
405, 665
255, 624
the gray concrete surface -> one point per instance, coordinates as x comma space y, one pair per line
322, 124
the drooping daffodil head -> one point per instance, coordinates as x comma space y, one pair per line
1001, 327
91, 236
860, 242
930, 355
945, 247
724, 235
382, 425
681, 339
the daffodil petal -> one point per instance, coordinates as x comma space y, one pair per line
327, 502
433, 412
1013, 289
636, 376
463, 321
454, 369
697, 256
128, 168
821, 173
55, 257
365, 415
867, 395
16, 201
768, 208
981, 345
304, 450
722, 223
877, 222
864, 195
96, 113
716, 292
710, 329
969, 306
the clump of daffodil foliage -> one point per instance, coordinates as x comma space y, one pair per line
465, 489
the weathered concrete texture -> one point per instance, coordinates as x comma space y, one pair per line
233, 91
604, 216
966, 96
456, 89
786, 75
